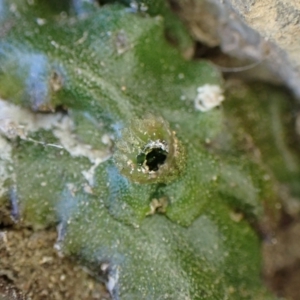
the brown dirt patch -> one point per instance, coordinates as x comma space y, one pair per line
29, 263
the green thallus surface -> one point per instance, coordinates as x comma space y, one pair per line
144, 186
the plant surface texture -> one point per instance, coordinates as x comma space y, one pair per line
108, 133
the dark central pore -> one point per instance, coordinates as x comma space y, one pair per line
153, 158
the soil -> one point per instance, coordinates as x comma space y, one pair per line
282, 260
31, 269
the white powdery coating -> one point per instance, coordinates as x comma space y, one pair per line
112, 282
5, 164
208, 97
16, 121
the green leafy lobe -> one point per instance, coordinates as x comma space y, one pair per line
154, 220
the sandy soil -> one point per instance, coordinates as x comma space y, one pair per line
29, 263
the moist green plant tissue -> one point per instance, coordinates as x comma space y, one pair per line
108, 133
